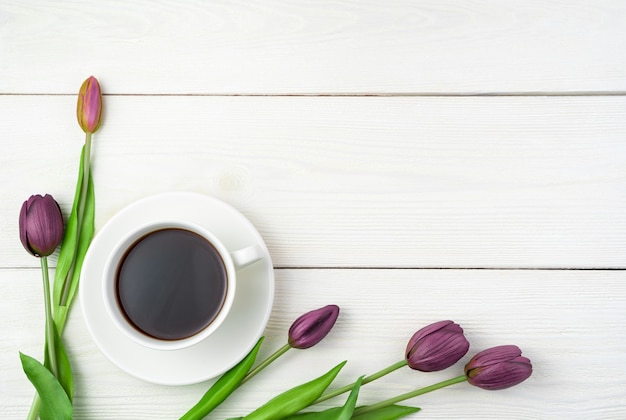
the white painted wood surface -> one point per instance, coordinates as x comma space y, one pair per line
425, 201
305, 46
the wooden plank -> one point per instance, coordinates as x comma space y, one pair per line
304, 47
350, 182
436, 182
569, 323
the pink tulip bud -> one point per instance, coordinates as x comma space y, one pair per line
310, 328
41, 225
89, 107
498, 368
436, 347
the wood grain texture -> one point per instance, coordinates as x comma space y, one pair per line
312, 47
564, 321
408, 161
351, 182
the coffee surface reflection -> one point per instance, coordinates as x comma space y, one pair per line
171, 284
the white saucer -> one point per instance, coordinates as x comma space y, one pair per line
234, 338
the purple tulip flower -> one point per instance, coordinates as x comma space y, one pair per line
89, 107
41, 225
436, 347
310, 328
498, 368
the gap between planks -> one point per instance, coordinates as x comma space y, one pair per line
354, 94
380, 268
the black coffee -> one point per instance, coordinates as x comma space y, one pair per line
171, 284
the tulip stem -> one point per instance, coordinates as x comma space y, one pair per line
411, 394
33, 414
49, 321
365, 380
85, 184
265, 363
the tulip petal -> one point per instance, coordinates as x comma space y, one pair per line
41, 225
23, 234
310, 328
436, 347
89, 105
498, 368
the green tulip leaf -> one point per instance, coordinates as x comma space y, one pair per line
348, 407
55, 404
391, 412
295, 399
73, 248
328, 414
223, 387
335, 413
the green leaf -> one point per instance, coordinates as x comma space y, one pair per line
295, 399
224, 386
348, 407
328, 414
391, 412
335, 413
55, 404
68, 245
64, 368
73, 248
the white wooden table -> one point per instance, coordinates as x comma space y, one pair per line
410, 161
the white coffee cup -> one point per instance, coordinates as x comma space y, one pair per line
170, 284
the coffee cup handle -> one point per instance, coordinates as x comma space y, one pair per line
246, 256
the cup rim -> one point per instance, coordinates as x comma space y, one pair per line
109, 295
